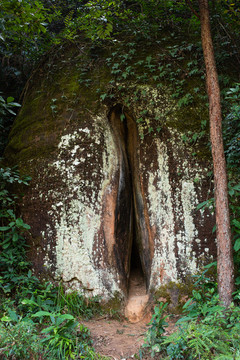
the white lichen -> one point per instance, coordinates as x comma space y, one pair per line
77, 221
161, 215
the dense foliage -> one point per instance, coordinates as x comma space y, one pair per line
28, 30
206, 331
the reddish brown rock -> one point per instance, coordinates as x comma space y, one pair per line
107, 193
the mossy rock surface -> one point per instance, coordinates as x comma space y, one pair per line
106, 141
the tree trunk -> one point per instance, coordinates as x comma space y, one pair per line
224, 245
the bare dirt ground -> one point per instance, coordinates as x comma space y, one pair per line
121, 340
117, 340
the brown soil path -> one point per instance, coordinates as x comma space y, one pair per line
121, 340
137, 305
117, 340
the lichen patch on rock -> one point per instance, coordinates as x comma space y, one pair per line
109, 186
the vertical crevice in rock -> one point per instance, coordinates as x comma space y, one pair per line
131, 248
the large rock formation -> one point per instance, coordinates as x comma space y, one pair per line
114, 184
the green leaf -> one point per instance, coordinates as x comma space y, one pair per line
48, 329
208, 266
122, 117
15, 237
4, 228
6, 318
5, 246
11, 112
185, 138
19, 222
148, 59
236, 223
237, 244
29, 302
202, 205
195, 136
13, 315
214, 228
64, 317
197, 295
15, 104
10, 99
103, 96
187, 303
10, 212
42, 313
236, 187
237, 281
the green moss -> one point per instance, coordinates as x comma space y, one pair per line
70, 81
175, 294
114, 307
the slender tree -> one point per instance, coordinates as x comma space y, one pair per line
225, 268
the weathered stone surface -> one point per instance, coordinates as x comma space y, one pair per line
100, 179
136, 308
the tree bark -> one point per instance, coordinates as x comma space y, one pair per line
225, 267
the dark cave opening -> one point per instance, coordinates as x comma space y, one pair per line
135, 261
137, 283
136, 274
128, 134
130, 252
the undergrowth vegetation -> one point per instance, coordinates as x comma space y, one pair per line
40, 321
207, 330
37, 319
